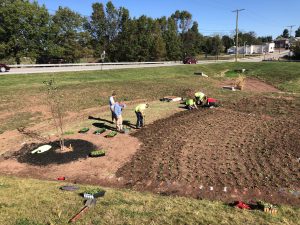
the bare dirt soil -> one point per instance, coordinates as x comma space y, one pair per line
245, 151
252, 85
75, 166
222, 153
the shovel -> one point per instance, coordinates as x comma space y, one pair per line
88, 204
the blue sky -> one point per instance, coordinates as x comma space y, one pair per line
265, 17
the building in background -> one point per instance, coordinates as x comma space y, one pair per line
282, 43
253, 49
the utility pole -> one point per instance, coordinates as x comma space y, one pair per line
237, 32
290, 39
291, 29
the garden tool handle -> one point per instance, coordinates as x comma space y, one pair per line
78, 215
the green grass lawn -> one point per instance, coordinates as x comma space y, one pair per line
29, 202
82, 90
35, 202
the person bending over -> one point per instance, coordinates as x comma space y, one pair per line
211, 102
199, 97
140, 114
190, 104
118, 113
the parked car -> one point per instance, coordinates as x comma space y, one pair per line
190, 60
4, 68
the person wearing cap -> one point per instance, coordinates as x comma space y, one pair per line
112, 105
140, 114
199, 97
119, 106
190, 104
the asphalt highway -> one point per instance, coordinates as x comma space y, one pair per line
109, 66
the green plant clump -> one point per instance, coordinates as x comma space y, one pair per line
112, 134
84, 130
23, 221
97, 153
93, 191
100, 131
231, 74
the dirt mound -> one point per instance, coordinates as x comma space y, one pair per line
252, 85
256, 85
81, 150
218, 154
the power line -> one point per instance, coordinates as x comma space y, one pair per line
263, 19
291, 28
218, 4
237, 32
213, 30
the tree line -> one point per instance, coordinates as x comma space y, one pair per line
27, 29
286, 33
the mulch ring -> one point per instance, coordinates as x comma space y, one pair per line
81, 150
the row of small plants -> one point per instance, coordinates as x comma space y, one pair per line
99, 131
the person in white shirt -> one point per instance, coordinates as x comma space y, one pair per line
112, 103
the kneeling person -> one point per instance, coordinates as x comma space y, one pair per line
200, 98
190, 104
211, 102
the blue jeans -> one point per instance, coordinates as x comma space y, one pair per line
140, 119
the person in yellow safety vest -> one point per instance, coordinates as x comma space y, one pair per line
200, 98
190, 104
140, 114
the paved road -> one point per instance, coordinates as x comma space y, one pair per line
63, 68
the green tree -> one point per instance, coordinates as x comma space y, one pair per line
67, 29
112, 20
265, 39
297, 32
22, 29
183, 20
249, 38
227, 42
192, 41
125, 41
213, 45
217, 45
172, 40
285, 33
208, 46
158, 49
96, 26
296, 49
145, 40
105, 24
